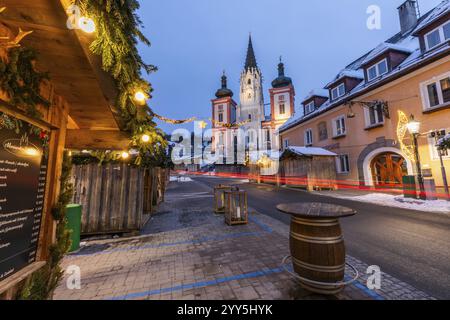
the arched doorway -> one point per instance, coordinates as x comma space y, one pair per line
388, 169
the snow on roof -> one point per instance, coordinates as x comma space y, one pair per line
383, 47
407, 43
317, 93
436, 13
255, 155
311, 151
350, 73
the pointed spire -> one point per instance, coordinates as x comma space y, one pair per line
224, 80
250, 61
281, 68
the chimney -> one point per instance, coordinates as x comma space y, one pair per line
408, 15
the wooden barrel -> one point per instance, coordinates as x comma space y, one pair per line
317, 245
318, 253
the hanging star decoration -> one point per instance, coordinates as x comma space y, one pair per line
402, 129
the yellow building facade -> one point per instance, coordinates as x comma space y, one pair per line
366, 123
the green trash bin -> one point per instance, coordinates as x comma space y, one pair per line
73, 215
409, 187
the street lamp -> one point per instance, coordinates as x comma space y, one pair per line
413, 127
437, 135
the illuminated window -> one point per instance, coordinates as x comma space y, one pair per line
436, 92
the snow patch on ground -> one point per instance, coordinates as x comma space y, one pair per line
180, 179
390, 200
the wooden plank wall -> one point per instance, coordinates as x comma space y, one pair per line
112, 197
321, 175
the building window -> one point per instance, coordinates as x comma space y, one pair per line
343, 164
338, 91
286, 143
310, 107
281, 98
377, 70
220, 117
249, 95
282, 108
437, 36
437, 91
268, 135
249, 81
323, 132
308, 137
374, 115
339, 128
250, 117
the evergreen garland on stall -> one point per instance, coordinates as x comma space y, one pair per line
44, 282
22, 82
117, 35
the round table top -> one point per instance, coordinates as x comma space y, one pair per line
315, 210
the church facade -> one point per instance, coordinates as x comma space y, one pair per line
242, 129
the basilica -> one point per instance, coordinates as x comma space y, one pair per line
243, 127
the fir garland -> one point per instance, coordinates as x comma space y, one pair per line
21, 82
43, 283
117, 36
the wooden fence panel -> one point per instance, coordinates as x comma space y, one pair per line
111, 196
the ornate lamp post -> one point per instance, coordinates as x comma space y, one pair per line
414, 129
437, 135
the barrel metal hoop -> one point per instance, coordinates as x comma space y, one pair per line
315, 267
316, 223
319, 283
318, 240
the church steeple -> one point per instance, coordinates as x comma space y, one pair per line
224, 91
250, 61
282, 80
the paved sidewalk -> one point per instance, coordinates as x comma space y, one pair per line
187, 252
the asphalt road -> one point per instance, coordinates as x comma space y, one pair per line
410, 245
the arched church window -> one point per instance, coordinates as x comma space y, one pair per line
249, 81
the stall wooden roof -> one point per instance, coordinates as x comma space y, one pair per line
75, 73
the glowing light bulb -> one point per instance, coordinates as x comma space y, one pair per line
145, 138
86, 24
140, 97
125, 155
31, 152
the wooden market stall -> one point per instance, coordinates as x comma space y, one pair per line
116, 197
80, 114
308, 167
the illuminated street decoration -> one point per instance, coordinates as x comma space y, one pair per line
402, 130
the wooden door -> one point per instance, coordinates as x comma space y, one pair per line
388, 169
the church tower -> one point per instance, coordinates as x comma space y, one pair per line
251, 107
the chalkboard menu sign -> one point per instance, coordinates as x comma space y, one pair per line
23, 171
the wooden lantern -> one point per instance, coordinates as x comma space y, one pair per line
236, 208
219, 198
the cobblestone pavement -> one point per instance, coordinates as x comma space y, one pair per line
187, 252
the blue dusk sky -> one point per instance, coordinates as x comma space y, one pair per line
194, 40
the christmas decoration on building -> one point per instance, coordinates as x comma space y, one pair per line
402, 130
